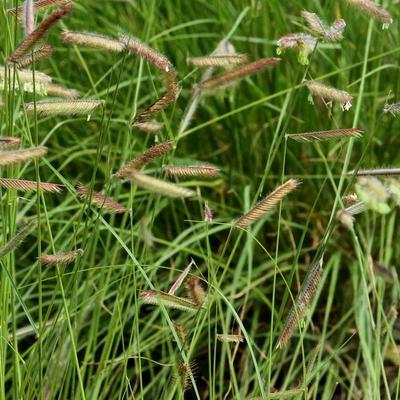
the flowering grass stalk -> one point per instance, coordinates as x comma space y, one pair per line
37, 55
303, 301
326, 135
7, 142
157, 298
17, 239
223, 60
63, 107
93, 40
60, 258
200, 170
28, 186
21, 156
55, 90
34, 37
159, 186
229, 77
373, 10
138, 162
100, 201
267, 204
329, 93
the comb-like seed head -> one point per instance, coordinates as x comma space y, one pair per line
21, 156
7, 142
63, 107
27, 186
200, 170
156, 297
267, 204
93, 40
60, 258
373, 10
330, 94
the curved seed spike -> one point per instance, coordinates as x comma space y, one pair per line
60, 258
33, 38
230, 77
93, 40
158, 186
38, 55
7, 142
326, 135
373, 10
17, 239
304, 299
200, 170
23, 155
222, 60
230, 338
63, 107
100, 201
26, 186
267, 204
62, 92
153, 152
375, 172
38, 6
157, 297
329, 93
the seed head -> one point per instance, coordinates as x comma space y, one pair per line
267, 204
63, 107
373, 10
330, 94
60, 258
157, 298
27, 186
7, 142
93, 40
21, 156
222, 60
200, 170
326, 135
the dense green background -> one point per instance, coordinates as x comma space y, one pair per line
94, 339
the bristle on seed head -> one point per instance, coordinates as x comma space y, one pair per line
303, 301
267, 204
21, 156
326, 135
100, 201
27, 186
63, 107
200, 170
330, 94
93, 40
60, 258
220, 60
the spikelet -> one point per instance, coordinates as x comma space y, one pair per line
304, 43
55, 90
23, 155
318, 28
350, 199
17, 239
153, 152
7, 142
373, 10
93, 40
185, 375
63, 107
326, 135
37, 55
135, 46
159, 186
100, 201
38, 6
200, 170
182, 276
375, 194
148, 126
221, 60
160, 61
154, 108
267, 204
229, 77
157, 298
60, 258
230, 338
29, 17
305, 297
329, 93
41, 30
182, 333
26, 82
27, 186
208, 214
392, 108
346, 216
376, 172
195, 290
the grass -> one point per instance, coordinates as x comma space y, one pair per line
80, 331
